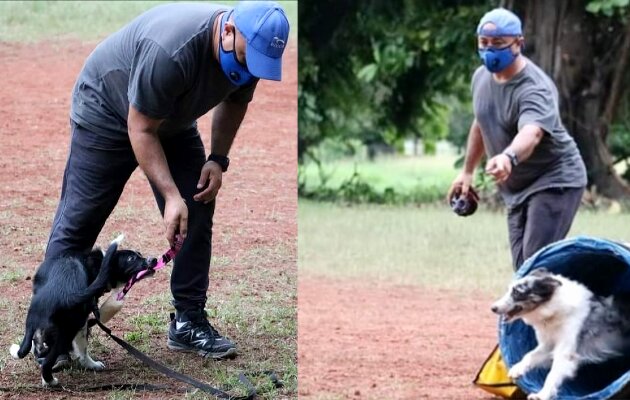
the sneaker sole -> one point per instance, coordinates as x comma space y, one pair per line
230, 353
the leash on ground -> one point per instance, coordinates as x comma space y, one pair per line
165, 259
218, 393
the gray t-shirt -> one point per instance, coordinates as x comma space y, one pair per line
163, 64
502, 109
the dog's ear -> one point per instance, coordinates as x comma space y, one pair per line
552, 282
113, 248
109, 255
94, 259
546, 286
541, 271
118, 240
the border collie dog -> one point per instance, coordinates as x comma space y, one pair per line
573, 326
65, 290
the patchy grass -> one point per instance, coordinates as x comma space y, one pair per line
121, 394
158, 299
219, 261
29, 21
148, 323
259, 314
252, 298
11, 276
252, 301
428, 246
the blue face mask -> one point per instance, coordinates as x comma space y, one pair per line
236, 72
496, 60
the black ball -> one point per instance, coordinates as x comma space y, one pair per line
464, 205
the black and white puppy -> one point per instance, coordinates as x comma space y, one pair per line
65, 291
573, 326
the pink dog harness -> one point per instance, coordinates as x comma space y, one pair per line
165, 259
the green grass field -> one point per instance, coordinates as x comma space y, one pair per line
427, 246
29, 21
404, 174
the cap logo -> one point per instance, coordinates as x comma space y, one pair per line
277, 43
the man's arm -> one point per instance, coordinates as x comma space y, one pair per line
526, 141
226, 120
151, 159
474, 152
523, 145
474, 148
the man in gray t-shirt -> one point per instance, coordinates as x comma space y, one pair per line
136, 102
535, 162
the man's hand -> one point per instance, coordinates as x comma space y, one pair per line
211, 174
175, 219
460, 186
500, 167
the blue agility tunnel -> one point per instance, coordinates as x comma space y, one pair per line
604, 267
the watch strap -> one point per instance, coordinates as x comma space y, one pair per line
512, 156
223, 161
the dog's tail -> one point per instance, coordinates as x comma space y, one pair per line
99, 285
22, 350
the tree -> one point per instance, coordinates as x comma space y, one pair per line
374, 70
587, 55
379, 70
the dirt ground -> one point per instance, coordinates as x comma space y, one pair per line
371, 340
256, 209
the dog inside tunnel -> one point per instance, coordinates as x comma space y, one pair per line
603, 267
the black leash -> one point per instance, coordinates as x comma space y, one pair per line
220, 394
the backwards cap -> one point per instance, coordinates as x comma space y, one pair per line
506, 22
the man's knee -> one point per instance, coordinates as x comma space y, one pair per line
200, 215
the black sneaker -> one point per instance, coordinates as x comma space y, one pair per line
195, 334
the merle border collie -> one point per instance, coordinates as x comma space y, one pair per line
573, 326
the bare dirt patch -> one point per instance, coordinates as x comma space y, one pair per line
371, 340
254, 247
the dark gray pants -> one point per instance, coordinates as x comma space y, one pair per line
96, 172
545, 217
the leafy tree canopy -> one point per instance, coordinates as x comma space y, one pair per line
379, 70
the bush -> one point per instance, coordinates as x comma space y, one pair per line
355, 190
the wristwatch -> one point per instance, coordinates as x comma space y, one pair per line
223, 161
512, 156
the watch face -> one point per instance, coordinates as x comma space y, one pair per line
512, 156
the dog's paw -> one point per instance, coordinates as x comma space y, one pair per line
14, 350
516, 371
539, 396
98, 366
52, 383
93, 365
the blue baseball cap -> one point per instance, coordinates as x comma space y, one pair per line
266, 28
506, 22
